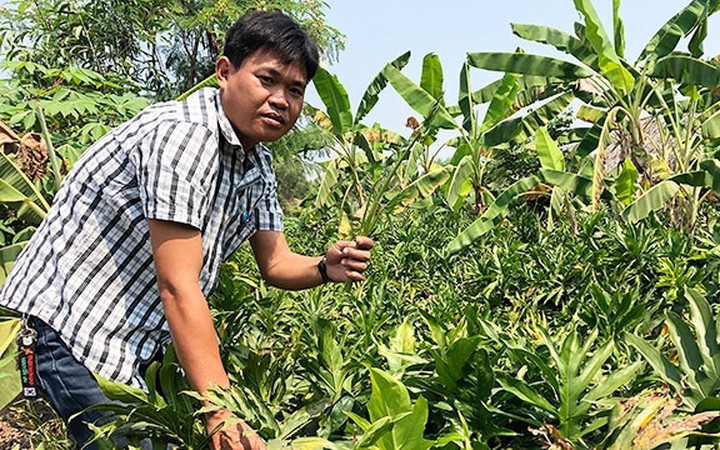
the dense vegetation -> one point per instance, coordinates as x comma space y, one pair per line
553, 285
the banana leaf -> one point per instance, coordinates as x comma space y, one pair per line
577, 184
465, 101
528, 97
591, 114
492, 216
461, 183
548, 151
528, 83
527, 64
680, 25
372, 93
336, 101
519, 129
501, 103
327, 184
687, 70
618, 30
8, 255
652, 200
626, 183
561, 40
16, 188
423, 187
431, 78
711, 127
696, 42
419, 99
610, 64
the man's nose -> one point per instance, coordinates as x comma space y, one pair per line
278, 99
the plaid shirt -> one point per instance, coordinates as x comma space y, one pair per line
88, 270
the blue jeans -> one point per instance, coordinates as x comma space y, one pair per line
70, 387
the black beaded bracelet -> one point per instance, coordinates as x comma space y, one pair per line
322, 268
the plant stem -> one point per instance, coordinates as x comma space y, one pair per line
54, 160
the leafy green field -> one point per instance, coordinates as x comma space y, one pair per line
552, 285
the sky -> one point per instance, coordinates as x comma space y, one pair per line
379, 31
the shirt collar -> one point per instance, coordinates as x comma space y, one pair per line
225, 126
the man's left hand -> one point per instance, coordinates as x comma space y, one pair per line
348, 260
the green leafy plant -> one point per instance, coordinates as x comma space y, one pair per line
395, 422
9, 374
567, 382
618, 96
165, 413
696, 376
377, 183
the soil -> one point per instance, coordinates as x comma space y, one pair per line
26, 423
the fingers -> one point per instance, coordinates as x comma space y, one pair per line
239, 440
348, 260
354, 265
353, 253
237, 437
364, 243
360, 243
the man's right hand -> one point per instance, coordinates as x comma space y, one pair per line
237, 436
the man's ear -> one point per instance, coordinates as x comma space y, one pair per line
222, 69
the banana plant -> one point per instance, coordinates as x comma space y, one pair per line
696, 375
691, 176
17, 191
20, 194
617, 95
477, 139
552, 173
358, 174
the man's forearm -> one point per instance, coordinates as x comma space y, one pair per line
194, 337
294, 272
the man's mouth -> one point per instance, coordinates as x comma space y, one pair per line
280, 120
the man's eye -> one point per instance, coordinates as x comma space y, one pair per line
265, 79
297, 91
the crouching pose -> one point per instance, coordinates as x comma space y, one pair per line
133, 243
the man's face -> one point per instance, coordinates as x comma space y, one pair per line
263, 97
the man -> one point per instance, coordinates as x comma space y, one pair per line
136, 235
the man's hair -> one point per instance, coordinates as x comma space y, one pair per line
275, 31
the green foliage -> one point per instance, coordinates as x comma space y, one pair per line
79, 105
9, 374
572, 381
674, 89
395, 423
374, 172
164, 413
696, 377
164, 48
573, 256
